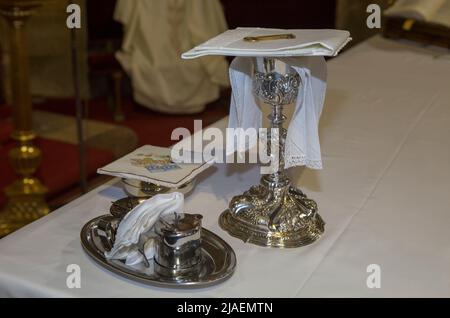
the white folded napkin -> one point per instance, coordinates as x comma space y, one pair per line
140, 221
325, 42
302, 141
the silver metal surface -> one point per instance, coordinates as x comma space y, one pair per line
141, 248
121, 207
178, 245
218, 260
141, 189
274, 213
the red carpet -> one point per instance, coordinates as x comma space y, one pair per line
60, 169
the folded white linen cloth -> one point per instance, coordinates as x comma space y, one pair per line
321, 42
140, 221
302, 141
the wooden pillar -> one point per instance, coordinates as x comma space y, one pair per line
26, 196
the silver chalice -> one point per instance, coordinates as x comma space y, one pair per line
274, 213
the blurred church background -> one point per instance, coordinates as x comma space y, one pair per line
116, 120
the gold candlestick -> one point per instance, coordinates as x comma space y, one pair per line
26, 196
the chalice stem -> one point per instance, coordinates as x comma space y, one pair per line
276, 147
276, 144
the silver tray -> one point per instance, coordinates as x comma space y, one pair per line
218, 259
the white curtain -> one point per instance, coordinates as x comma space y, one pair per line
156, 33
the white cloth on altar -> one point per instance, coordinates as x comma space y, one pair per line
383, 173
302, 140
155, 34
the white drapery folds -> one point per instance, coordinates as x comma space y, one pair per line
155, 34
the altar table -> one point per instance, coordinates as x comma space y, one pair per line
384, 193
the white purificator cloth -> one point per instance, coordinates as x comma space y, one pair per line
302, 141
139, 221
304, 52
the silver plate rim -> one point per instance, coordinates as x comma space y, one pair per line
207, 235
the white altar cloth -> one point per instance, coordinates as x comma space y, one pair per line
384, 193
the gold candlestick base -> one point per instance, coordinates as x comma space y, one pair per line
26, 204
26, 196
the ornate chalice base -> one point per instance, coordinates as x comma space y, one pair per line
273, 216
274, 213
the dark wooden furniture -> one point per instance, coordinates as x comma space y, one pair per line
419, 31
284, 14
105, 36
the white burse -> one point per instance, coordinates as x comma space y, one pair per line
325, 42
139, 221
305, 54
171, 178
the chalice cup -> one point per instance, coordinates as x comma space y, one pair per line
274, 213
